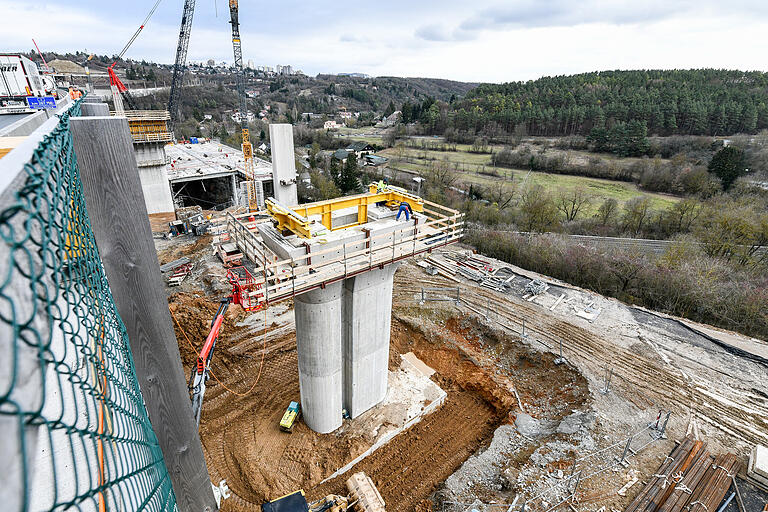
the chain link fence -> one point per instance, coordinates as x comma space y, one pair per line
75, 434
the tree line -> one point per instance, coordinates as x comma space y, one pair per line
666, 102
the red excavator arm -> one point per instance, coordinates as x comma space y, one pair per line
200, 374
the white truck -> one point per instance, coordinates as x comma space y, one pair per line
19, 79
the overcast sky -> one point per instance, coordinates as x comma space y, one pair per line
475, 41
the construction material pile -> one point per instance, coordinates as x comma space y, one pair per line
690, 479
472, 267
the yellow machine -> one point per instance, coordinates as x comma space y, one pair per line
290, 417
296, 218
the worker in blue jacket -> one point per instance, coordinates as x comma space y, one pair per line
404, 208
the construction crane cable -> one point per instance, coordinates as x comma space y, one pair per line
138, 31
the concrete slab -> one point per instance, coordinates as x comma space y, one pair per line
758, 464
410, 397
210, 160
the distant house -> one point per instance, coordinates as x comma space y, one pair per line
361, 149
341, 155
237, 117
264, 148
331, 125
375, 161
391, 120
345, 115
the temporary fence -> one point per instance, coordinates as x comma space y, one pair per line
74, 430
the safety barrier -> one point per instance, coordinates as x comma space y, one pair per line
74, 430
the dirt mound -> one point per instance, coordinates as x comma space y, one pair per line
192, 247
244, 445
192, 314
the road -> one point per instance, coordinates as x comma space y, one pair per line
9, 119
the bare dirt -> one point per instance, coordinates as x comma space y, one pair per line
472, 447
244, 445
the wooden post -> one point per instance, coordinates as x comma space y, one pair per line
118, 215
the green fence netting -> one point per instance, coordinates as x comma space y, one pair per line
74, 431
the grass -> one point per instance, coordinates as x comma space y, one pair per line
468, 166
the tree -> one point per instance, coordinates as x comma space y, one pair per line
313, 151
500, 193
571, 202
333, 171
323, 187
538, 210
390, 109
728, 165
636, 214
349, 178
606, 211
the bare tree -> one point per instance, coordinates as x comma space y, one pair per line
636, 213
440, 174
538, 210
571, 202
500, 193
607, 210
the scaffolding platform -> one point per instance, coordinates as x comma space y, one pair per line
289, 265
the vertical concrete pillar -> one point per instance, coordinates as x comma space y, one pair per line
367, 321
235, 194
283, 163
319, 346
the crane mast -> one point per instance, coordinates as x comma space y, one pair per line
255, 192
180, 64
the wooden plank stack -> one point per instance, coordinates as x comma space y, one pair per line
690, 479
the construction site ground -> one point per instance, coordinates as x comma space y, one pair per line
513, 421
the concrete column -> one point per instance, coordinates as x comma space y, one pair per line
319, 341
235, 194
367, 321
283, 163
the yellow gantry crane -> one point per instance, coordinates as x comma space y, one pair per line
296, 218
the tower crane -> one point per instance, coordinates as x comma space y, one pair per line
255, 191
180, 65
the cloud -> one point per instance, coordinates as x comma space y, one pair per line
441, 33
561, 13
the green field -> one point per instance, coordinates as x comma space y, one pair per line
474, 168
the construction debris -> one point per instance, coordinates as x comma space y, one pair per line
168, 267
179, 274
534, 288
757, 471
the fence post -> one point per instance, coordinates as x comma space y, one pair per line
118, 216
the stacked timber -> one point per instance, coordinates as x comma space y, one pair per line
690, 479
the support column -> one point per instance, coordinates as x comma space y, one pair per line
235, 195
319, 343
367, 322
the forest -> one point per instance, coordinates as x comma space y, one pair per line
669, 102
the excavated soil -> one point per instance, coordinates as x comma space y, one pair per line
239, 425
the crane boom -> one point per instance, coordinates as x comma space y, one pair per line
255, 194
180, 64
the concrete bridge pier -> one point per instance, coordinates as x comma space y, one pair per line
367, 322
342, 338
319, 345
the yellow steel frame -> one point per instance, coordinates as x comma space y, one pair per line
296, 218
